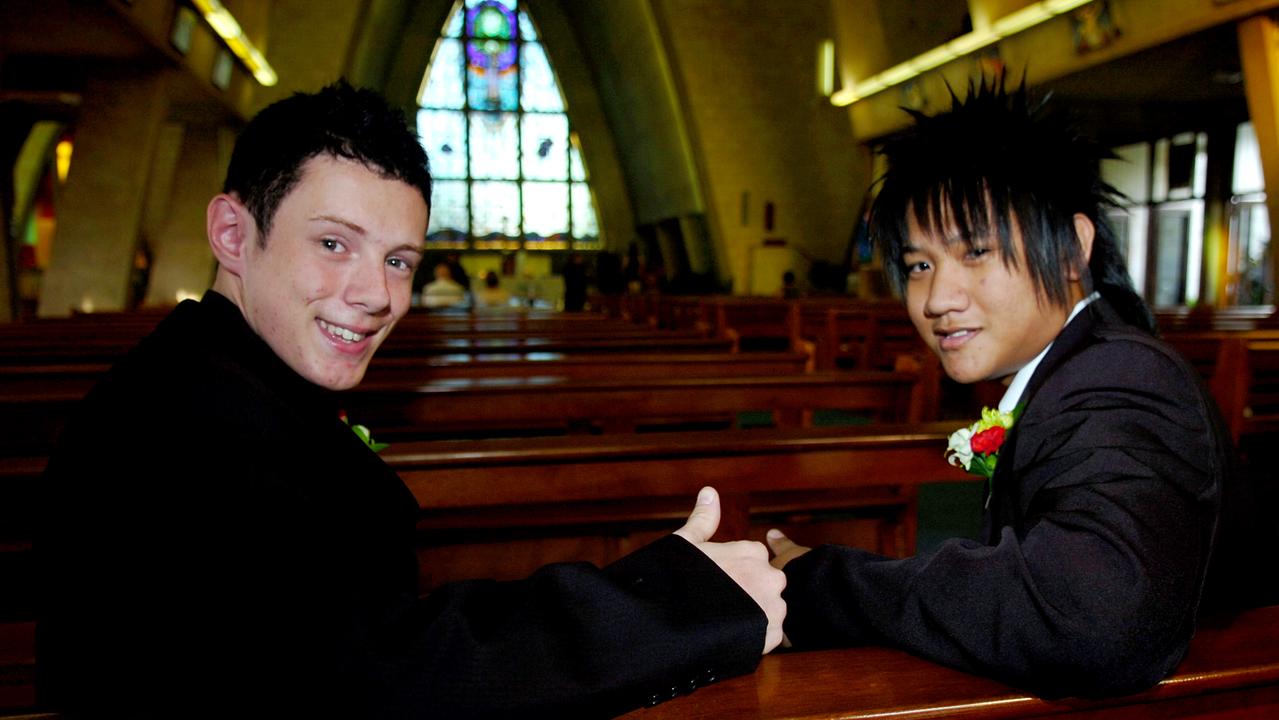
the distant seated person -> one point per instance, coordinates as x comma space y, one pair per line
789, 289
492, 294
1113, 504
443, 291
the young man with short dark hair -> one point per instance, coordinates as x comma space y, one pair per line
215, 541
1107, 461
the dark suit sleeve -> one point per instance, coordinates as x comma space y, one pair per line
570, 641
1092, 587
262, 572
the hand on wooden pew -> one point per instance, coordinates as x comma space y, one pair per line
746, 562
784, 549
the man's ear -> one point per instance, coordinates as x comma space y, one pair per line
231, 230
1085, 231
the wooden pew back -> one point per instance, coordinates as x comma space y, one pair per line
867, 339
498, 406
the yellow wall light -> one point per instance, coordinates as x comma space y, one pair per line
1006, 26
62, 159
227, 28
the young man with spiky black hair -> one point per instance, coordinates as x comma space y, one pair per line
1112, 463
214, 541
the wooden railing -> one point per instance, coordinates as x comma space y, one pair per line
1231, 671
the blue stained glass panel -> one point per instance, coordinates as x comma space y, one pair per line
509, 172
545, 208
443, 135
576, 170
544, 146
496, 209
585, 224
489, 89
494, 146
510, 4
491, 19
540, 91
443, 87
450, 209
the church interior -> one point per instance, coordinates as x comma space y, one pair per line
656, 207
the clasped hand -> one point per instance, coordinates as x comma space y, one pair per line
744, 561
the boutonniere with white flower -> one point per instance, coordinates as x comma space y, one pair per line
976, 447
363, 434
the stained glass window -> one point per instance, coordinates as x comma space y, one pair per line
509, 173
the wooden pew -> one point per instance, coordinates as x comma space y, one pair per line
414, 334
1241, 369
577, 366
1231, 671
641, 308
765, 320
103, 340
1206, 318
109, 350
545, 405
867, 339
600, 346
585, 480
1245, 384
502, 508
676, 312
495, 405
756, 323
525, 318
58, 377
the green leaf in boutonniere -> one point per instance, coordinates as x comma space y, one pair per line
363, 434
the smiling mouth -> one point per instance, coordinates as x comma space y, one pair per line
954, 339
340, 333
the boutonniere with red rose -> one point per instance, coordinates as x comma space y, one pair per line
976, 447
363, 433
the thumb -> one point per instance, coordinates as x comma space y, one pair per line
779, 543
704, 519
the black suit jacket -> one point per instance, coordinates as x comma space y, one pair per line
214, 540
1102, 521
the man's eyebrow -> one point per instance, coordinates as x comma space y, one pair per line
340, 221
411, 247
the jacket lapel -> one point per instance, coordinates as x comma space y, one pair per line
1005, 505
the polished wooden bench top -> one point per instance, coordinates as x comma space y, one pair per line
449, 474
1232, 671
54, 378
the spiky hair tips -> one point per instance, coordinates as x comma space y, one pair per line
998, 157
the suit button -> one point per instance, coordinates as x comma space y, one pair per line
708, 676
692, 685
654, 699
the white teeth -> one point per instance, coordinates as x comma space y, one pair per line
342, 332
958, 333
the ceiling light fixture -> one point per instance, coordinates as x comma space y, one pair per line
225, 25
1006, 26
